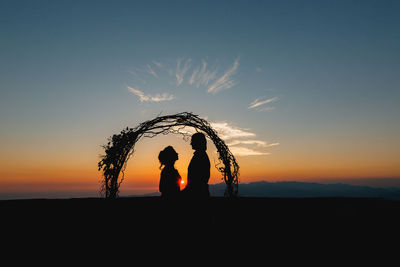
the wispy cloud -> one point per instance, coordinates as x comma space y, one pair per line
202, 76
244, 151
227, 131
259, 102
151, 71
151, 98
181, 70
252, 142
241, 141
158, 64
198, 74
225, 81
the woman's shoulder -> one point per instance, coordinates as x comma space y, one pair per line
176, 172
163, 172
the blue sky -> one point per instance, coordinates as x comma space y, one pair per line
331, 69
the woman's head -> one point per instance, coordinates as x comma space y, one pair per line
199, 141
168, 156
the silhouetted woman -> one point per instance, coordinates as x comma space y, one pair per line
199, 168
170, 178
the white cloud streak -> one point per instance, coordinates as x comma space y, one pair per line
240, 140
244, 151
252, 142
151, 71
227, 131
181, 70
201, 76
258, 102
225, 81
151, 98
158, 64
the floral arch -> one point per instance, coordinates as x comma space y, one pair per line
121, 146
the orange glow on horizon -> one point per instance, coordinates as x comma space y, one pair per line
48, 172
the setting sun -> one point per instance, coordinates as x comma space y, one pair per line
182, 184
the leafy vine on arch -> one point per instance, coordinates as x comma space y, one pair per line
121, 146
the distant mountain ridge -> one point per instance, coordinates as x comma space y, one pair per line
307, 190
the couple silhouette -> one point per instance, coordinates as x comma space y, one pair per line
198, 171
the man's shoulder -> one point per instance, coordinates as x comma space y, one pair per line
203, 156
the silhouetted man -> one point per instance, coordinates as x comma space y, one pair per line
199, 168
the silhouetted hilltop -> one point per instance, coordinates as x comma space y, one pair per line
307, 190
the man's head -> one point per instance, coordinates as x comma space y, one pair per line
199, 141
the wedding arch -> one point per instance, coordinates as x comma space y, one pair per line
121, 147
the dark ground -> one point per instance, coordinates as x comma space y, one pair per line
321, 230
262, 227
242, 213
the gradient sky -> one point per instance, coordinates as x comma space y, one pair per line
300, 90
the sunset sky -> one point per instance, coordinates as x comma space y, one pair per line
299, 90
